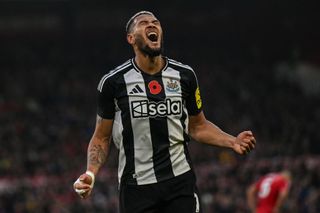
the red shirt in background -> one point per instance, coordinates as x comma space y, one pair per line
268, 188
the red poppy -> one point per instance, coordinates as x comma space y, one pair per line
154, 87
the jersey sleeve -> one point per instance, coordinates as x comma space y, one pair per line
194, 101
105, 96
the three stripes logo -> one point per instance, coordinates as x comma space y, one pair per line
136, 89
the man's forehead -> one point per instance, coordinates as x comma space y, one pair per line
144, 17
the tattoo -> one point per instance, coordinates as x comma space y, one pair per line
97, 156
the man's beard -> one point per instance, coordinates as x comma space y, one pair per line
145, 49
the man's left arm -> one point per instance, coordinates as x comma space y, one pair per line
203, 131
283, 194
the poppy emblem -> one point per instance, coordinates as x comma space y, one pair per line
154, 87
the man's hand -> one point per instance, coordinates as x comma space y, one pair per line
244, 143
84, 184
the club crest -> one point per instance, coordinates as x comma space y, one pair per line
172, 86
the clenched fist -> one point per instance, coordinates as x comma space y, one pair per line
244, 143
84, 184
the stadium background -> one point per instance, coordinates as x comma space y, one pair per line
258, 63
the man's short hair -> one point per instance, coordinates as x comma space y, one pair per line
131, 20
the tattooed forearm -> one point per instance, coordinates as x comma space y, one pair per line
99, 146
97, 155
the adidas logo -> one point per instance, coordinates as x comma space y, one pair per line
136, 89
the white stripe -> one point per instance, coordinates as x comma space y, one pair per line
197, 203
175, 128
111, 73
121, 65
186, 122
180, 64
118, 142
143, 150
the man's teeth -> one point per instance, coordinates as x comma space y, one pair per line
152, 36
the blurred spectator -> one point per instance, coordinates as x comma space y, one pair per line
268, 194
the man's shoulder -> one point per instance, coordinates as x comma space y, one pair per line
114, 73
179, 65
121, 68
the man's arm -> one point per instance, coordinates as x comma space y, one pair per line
98, 151
251, 197
202, 130
283, 194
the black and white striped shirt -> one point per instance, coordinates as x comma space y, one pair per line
150, 115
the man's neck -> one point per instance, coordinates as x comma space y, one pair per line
150, 65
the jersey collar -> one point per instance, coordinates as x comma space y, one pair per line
141, 71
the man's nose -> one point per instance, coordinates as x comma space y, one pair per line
151, 24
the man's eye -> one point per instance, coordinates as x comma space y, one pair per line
156, 22
143, 23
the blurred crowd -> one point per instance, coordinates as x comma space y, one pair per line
48, 106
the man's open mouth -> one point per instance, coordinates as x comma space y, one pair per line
152, 36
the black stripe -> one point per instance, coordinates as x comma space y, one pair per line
159, 133
139, 89
185, 93
184, 81
186, 138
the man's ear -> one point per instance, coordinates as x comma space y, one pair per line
130, 38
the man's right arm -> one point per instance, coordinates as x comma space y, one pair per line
98, 151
